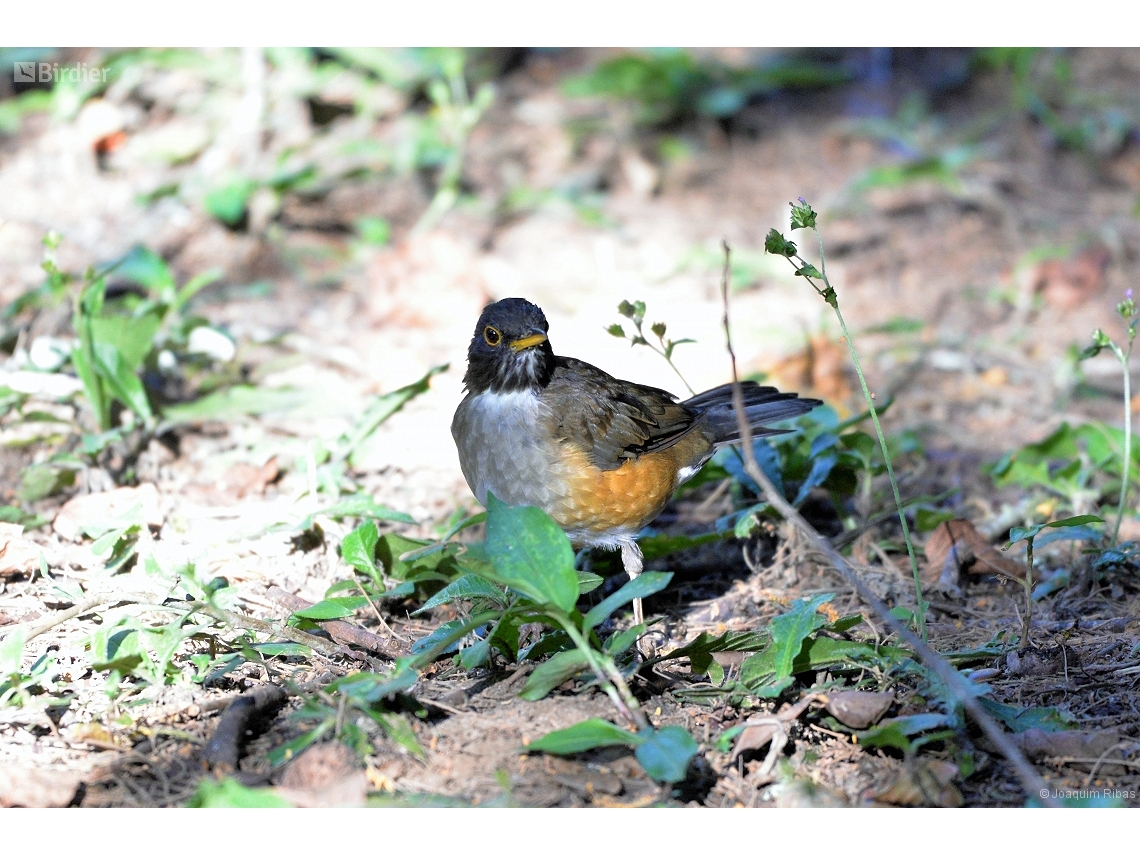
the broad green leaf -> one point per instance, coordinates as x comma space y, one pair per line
332, 609
1017, 533
645, 585
445, 638
1021, 719
896, 732
584, 736
475, 655
587, 581
665, 753
700, 650
228, 202
359, 550
620, 642
143, 267
228, 793
466, 587
790, 629
553, 672
531, 554
372, 688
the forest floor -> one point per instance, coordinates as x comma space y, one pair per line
966, 293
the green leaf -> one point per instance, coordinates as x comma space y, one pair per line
467, 587
381, 408
665, 753
699, 651
332, 609
531, 554
359, 550
281, 648
803, 217
477, 654
587, 581
616, 330
645, 585
790, 629
584, 736
927, 520
1017, 533
12, 652
144, 267
228, 203
896, 732
809, 270
228, 793
374, 230
1019, 719
776, 244
553, 672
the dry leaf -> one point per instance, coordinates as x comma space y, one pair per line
1087, 746
102, 508
859, 710
956, 547
922, 782
36, 788
819, 369
1069, 283
19, 556
243, 479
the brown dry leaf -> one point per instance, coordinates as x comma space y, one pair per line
326, 775
19, 556
1068, 283
922, 782
1087, 746
819, 369
754, 737
36, 788
859, 710
100, 508
243, 479
956, 547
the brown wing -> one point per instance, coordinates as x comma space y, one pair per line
610, 419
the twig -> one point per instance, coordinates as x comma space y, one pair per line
42, 626
958, 686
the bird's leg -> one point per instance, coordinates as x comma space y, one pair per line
633, 562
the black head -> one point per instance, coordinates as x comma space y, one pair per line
509, 351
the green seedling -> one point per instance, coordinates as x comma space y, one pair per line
1128, 313
1029, 535
635, 312
803, 217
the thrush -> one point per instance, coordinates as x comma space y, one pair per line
601, 456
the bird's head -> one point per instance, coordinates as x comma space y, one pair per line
509, 351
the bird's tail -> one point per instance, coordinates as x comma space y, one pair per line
762, 404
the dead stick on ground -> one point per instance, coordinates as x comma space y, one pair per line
959, 687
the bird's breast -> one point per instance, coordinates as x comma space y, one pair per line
506, 447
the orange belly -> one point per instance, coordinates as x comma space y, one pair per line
626, 498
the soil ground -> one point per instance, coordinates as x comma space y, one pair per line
1002, 269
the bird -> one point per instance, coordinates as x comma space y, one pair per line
599, 455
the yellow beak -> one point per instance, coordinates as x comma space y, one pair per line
528, 341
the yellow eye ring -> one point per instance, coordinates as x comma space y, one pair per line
492, 336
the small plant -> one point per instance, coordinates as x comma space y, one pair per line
1018, 534
1128, 313
635, 312
803, 217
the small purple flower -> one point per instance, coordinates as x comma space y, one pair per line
1128, 294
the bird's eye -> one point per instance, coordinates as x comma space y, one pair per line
492, 336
